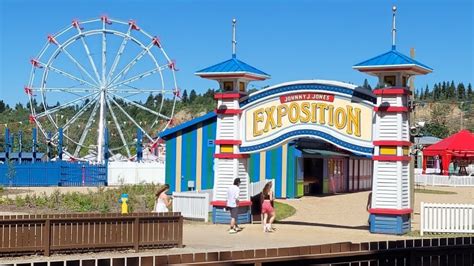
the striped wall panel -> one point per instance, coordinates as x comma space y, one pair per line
170, 167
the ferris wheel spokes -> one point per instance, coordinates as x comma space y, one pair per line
119, 129
66, 74
119, 53
138, 77
62, 106
131, 119
74, 118
77, 63
86, 48
86, 130
141, 106
137, 58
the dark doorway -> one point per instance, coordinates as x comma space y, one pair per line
313, 176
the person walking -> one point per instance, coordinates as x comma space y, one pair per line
267, 208
162, 201
232, 205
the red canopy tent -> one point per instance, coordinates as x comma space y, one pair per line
459, 145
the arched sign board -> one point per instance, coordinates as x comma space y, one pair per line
336, 112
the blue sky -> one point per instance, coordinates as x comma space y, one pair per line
290, 40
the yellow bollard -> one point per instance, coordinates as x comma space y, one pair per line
124, 200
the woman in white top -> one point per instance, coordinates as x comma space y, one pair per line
162, 201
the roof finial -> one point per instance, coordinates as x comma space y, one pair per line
394, 29
234, 42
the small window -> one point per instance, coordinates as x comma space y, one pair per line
228, 85
242, 86
389, 80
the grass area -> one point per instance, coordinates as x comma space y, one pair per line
283, 210
432, 191
141, 198
416, 233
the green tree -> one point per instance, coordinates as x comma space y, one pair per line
469, 94
192, 96
426, 95
436, 92
436, 130
461, 91
184, 97
2, 106
450, 91
366, 85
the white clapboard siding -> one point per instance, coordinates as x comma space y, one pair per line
392, 100
405, 195
227, 127
192, 205
405, 130
446, 218
386, 185
443, 180
225, 176
244, 179
388, 127
228, 104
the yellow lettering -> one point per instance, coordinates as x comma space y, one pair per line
282, 110
331, 115
294, 113
313, 112
305, 109
257, 117
322, 113
341, 118
270, 121
353, 120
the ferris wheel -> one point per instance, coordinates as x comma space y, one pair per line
102, 75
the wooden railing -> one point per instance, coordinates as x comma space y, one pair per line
45, 234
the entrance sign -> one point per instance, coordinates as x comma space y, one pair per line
336, 112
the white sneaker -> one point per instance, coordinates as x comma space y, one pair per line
232, 231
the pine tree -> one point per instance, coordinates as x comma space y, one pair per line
444, 90
436, 92
469, 94
450, 91
184, 98
421, 96
366, 85
2, 106
461, 91
192, 96
427, 93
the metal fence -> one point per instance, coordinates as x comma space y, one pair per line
193, 205
57, 173
45, 234
443, 180
446, 218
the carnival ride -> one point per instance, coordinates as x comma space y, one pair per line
99, 77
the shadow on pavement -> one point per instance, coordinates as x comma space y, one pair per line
361, 227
